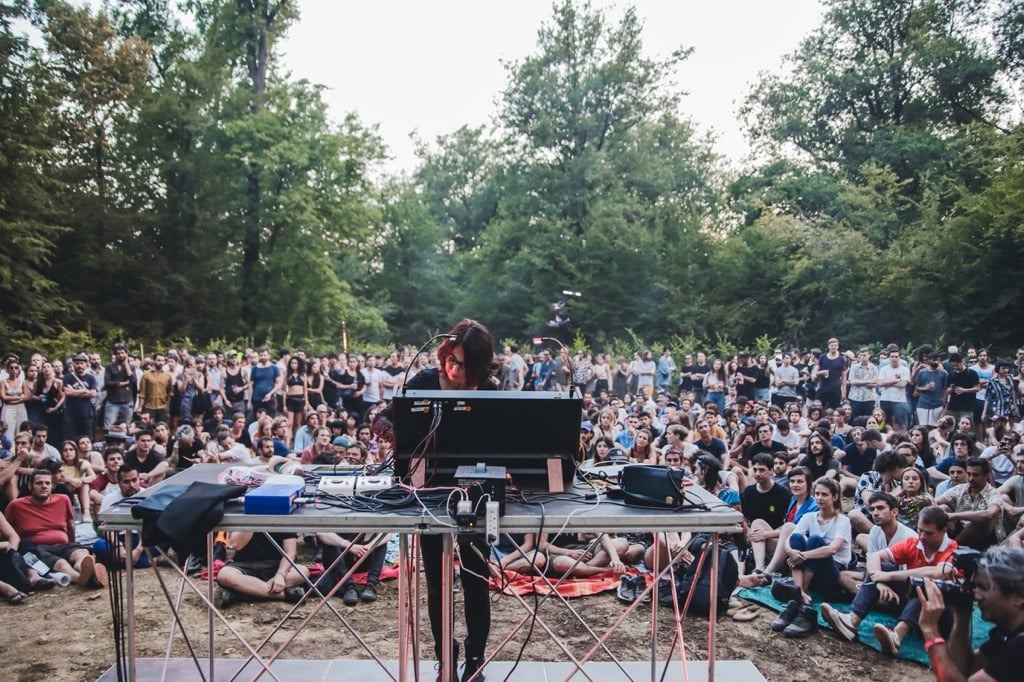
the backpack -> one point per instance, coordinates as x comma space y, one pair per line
688, 579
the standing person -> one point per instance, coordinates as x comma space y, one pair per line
746, 377
50, 390
350, 383
465, 360
963, 385
14, 391
234, 383
984, 370
930, 388
666, 368
117, 383
862, 379
1001, 395
893, 378
266, 381
831, 376
515, 370
80, 388
296, 396
715, 384
645, 370
373, 389
393, 373
785, 379
544, 373
155, 389
697, 375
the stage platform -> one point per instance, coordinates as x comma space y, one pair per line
184, 670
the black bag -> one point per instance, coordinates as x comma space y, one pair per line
647, 485
687, 580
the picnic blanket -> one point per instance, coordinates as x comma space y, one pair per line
912, 648
515, 583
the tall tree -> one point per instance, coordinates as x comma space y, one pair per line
31, 303
603, 181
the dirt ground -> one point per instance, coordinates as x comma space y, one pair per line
65, 634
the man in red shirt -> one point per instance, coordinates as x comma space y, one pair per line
46, 527
930, 555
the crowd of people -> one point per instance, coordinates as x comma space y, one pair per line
925, 451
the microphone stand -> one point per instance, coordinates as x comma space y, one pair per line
568, 360
405, 377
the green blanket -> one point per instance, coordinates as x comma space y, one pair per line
912, 648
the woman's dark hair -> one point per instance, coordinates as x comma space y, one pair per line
601, 439
300, 366
710, 466
924, 449
477, 350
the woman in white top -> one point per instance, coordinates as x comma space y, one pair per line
820, 546
14, 393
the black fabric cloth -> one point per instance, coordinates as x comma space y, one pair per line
1005, 653
13, 571
182, 516
372, 565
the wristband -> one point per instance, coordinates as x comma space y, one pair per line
934, 641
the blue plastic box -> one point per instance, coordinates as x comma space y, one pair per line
273, 498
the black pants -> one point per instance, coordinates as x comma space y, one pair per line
373, 565
475, 590
13, 571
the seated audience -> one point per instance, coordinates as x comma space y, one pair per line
341, 552
975, 508
151, 465
46, 527
884, 477
259, 571
818, 549
764, 505
930, 555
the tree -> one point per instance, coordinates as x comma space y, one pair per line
602, 182
31, 302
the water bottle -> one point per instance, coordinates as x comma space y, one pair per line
62, 579
35, 562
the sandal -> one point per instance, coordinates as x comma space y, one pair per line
16, 598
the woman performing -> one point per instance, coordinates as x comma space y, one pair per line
464, 361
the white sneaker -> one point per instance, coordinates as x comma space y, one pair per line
839, 622
887, 639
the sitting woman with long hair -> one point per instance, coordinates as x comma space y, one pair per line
821, 544
76, 474
643, 450
912, 497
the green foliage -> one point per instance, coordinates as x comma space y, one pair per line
161, 178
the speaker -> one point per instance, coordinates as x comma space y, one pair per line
648, 485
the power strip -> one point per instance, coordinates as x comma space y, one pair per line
348, 486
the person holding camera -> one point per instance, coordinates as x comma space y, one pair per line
929, 555
999, 593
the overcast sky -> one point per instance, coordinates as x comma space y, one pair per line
431, 66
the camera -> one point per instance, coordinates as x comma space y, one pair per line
960, 591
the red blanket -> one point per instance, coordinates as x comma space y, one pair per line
573, 587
